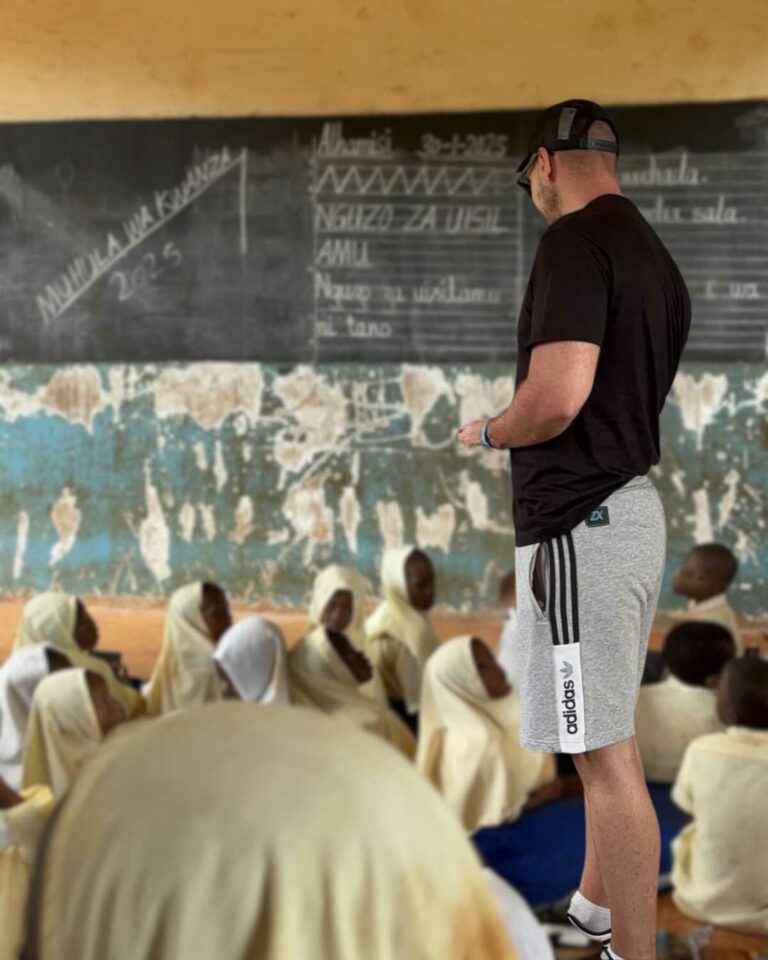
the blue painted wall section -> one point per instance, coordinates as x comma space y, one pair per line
134, 479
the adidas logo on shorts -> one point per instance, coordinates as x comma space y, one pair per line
570, 714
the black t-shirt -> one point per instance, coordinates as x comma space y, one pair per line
601, 275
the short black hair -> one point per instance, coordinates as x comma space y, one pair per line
695, 651
746, 682
718, 561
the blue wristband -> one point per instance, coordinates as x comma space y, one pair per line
485, 440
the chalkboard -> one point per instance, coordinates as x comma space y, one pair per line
362, 239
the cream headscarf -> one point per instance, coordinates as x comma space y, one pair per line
327, 583
281, 835
63, 731
50, 618
252, 654
320, 679
22, 827
19, 676
469, 744
400, 638
185, 673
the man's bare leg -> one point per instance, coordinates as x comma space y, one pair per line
591, 885
625, 834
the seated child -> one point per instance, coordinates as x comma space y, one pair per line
62, 621
508, 600
252, 664
400, 636
672, 713
469, 739
328, 673
19, 677
338, 605
185, 674
719, 871
704, 578
72, 712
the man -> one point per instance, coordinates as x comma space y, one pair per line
601, 330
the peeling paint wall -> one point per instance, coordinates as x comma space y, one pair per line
134, 479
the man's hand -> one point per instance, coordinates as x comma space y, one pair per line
469, 434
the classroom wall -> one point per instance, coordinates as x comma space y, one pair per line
131, 479
135, 479
88, 58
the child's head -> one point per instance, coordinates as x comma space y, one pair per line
508, 590
215, 611
338, 612
490, 670
420, 580
86, 632
109, 712
743, 693
250, 661
696, 652
707, 571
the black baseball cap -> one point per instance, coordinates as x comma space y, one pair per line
565, 126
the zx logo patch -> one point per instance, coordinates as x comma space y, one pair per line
598, 517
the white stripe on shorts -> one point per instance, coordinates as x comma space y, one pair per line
563, 611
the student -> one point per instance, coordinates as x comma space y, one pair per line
22, 822
62, 621
327, 674
19, 677
704, 578
508, 600
252, 664
469, 739
314, 841
72, 712
198, 617
719, 871
400, 636
672, 713
338, 605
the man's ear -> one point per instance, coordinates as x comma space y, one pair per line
546, 162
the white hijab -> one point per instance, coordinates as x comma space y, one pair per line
63, 731
523, 927
252, 654
19, 677
185, 673
312, 840
469, 744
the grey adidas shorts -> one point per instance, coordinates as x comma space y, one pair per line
582, 636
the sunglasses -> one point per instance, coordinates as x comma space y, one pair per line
524, 176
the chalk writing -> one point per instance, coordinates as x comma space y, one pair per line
82, 272
135, 282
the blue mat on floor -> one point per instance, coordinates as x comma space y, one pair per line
542, 853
